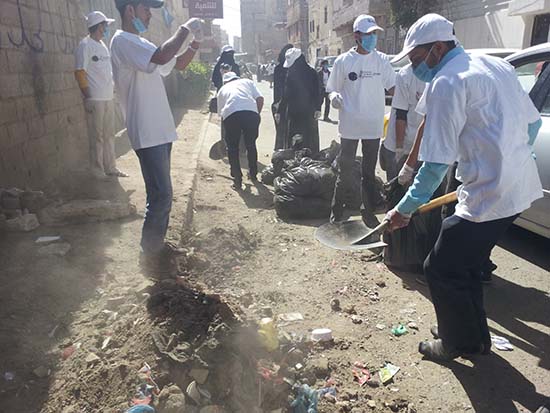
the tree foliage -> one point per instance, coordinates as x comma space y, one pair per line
406, 12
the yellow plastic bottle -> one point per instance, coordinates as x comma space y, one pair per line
268, 334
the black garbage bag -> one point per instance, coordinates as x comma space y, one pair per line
305, 190
268, 175
329, 154
408, 247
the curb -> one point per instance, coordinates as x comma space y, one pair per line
189, 208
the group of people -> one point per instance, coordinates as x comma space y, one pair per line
453, 114
134, 67
450, 110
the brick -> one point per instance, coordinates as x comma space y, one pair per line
19, 61
36, 127
9, 86
8, 111
18, 133
9, 15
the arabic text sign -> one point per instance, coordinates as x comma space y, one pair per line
206, 9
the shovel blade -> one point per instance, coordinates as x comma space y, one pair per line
346, 236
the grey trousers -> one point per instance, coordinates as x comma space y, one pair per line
346, 159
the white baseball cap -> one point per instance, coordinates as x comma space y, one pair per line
97, 17
227, 48
365, 24
229, 76
291, 55
428, 29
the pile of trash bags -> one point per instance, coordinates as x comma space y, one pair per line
304, 185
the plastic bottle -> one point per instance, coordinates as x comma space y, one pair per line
268, 334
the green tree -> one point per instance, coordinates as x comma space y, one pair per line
406, 12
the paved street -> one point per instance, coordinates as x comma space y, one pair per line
288, 271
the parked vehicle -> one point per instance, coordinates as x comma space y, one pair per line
534, 74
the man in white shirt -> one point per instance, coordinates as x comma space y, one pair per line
324, 74
138, 67
478, 115
239, 105
94, 75
404, 122
357, 87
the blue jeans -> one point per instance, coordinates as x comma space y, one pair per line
155, 168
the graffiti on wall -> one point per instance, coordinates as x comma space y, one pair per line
33, 39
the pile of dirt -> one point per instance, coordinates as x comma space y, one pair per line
219, 252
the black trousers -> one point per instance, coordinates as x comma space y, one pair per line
452, 270
327, 105
245, 123
346, 160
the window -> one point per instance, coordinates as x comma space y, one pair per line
529, 73
326, 14
317, 31
540, 29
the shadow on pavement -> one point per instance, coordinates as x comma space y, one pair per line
493, 385
262, 200
529, 246
40, 296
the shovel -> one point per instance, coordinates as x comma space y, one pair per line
367, 239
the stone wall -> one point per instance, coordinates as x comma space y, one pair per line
42, 121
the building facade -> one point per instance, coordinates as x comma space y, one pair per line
345, 12
323, 40
298, 24
43, 132
263, 32
497, 23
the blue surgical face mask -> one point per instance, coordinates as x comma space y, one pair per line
426, 73
368, 42
138, 25
106, 32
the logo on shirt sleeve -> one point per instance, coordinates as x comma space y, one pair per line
352, 76
95, 58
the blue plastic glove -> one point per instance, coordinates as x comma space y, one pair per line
428, 178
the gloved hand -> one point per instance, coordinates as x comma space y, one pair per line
199, 36
194, 25
317, 115
405, 175
336, 100
277, 118
399, 152
396, 219
88, 106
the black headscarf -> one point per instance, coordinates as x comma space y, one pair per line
229, 59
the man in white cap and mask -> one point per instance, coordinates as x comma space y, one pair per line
138, 67
94, 75
478, 115
357, 87
239, 105
301, 102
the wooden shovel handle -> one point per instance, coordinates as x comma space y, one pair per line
437, 202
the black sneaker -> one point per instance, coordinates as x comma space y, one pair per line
237, 184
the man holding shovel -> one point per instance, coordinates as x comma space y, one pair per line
477, 115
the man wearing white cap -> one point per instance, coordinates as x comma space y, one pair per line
239, 105
478, 115
138, 67
357, 88
94, 75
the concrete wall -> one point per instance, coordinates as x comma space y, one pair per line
42, 122
485, 24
